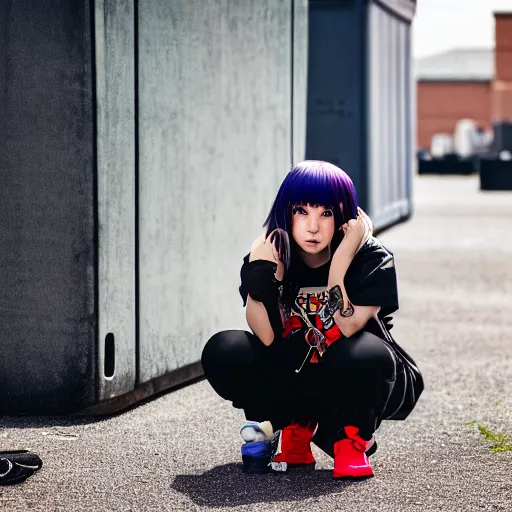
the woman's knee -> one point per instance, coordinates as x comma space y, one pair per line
226, 349
230, 362
364, 351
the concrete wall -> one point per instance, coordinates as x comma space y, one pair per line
215, 139
300, 31
142, 144
48, 303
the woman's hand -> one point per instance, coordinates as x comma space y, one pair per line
263, 249
368, 222
357, 231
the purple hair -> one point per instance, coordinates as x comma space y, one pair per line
315, 183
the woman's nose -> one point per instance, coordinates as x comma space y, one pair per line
312, 225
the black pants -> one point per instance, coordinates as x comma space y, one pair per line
350, 385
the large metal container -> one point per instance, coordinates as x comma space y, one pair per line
142, 144
360, 99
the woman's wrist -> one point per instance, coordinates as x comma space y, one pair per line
339, 266
337, 274
341, 260
348, 248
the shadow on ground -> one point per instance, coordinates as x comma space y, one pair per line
229, 486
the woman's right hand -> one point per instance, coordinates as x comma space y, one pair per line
263, 249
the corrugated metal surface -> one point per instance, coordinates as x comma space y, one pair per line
389, 117
404, 9
359, 100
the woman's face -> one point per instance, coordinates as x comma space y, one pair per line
312, 228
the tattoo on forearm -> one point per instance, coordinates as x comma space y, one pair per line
335, 303
348, 311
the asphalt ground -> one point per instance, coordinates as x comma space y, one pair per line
181, 451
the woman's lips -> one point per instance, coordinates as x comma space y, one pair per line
314, 242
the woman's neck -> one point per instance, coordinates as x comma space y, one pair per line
316, 260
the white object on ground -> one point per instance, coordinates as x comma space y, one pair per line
465, 138
441, 145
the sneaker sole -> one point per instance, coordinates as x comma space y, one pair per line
283, 467
277, 467
356, 473
352, 477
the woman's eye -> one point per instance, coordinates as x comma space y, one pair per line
299, 210
327, 213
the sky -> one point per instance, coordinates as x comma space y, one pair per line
441, 25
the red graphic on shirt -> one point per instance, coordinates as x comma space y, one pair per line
310, 315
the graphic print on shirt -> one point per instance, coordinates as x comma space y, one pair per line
310, 314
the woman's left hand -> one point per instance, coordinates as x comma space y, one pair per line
357, 231
367, 223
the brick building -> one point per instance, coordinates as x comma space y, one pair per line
470, 83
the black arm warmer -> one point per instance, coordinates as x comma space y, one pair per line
258, 280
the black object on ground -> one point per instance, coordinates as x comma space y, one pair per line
17, 465
450, 164
495, 174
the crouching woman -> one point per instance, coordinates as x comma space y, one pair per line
319, 364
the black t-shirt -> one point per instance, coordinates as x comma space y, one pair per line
304, 275
370, 281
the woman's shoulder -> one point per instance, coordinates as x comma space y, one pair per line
371, 257
374, 249
371, 278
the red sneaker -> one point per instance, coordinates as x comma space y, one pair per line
350, 459
294, 448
